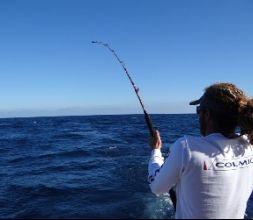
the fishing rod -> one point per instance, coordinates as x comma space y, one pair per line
136, 89
147, 117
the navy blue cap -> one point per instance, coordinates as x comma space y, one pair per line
198, 101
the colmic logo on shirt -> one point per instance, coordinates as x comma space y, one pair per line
232, 164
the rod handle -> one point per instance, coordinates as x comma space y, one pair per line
150, 124
173, 198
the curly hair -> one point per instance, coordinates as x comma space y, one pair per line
235, 109
245, 119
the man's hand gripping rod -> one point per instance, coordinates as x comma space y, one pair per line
136, 89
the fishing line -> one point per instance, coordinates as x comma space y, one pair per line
136, 89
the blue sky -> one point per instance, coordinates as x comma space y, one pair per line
173, 49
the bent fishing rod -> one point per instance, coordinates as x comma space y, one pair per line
136, 89
147, 117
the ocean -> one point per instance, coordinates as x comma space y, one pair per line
84, 166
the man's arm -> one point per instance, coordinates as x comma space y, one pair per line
164, 175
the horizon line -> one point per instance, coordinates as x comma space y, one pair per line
91, 115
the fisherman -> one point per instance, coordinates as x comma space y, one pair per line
212, 174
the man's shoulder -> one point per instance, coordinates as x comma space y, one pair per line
186, 141
191, 142
192, 139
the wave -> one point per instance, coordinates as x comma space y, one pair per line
68, 136
50, 156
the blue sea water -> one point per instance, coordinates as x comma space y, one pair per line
84, 167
